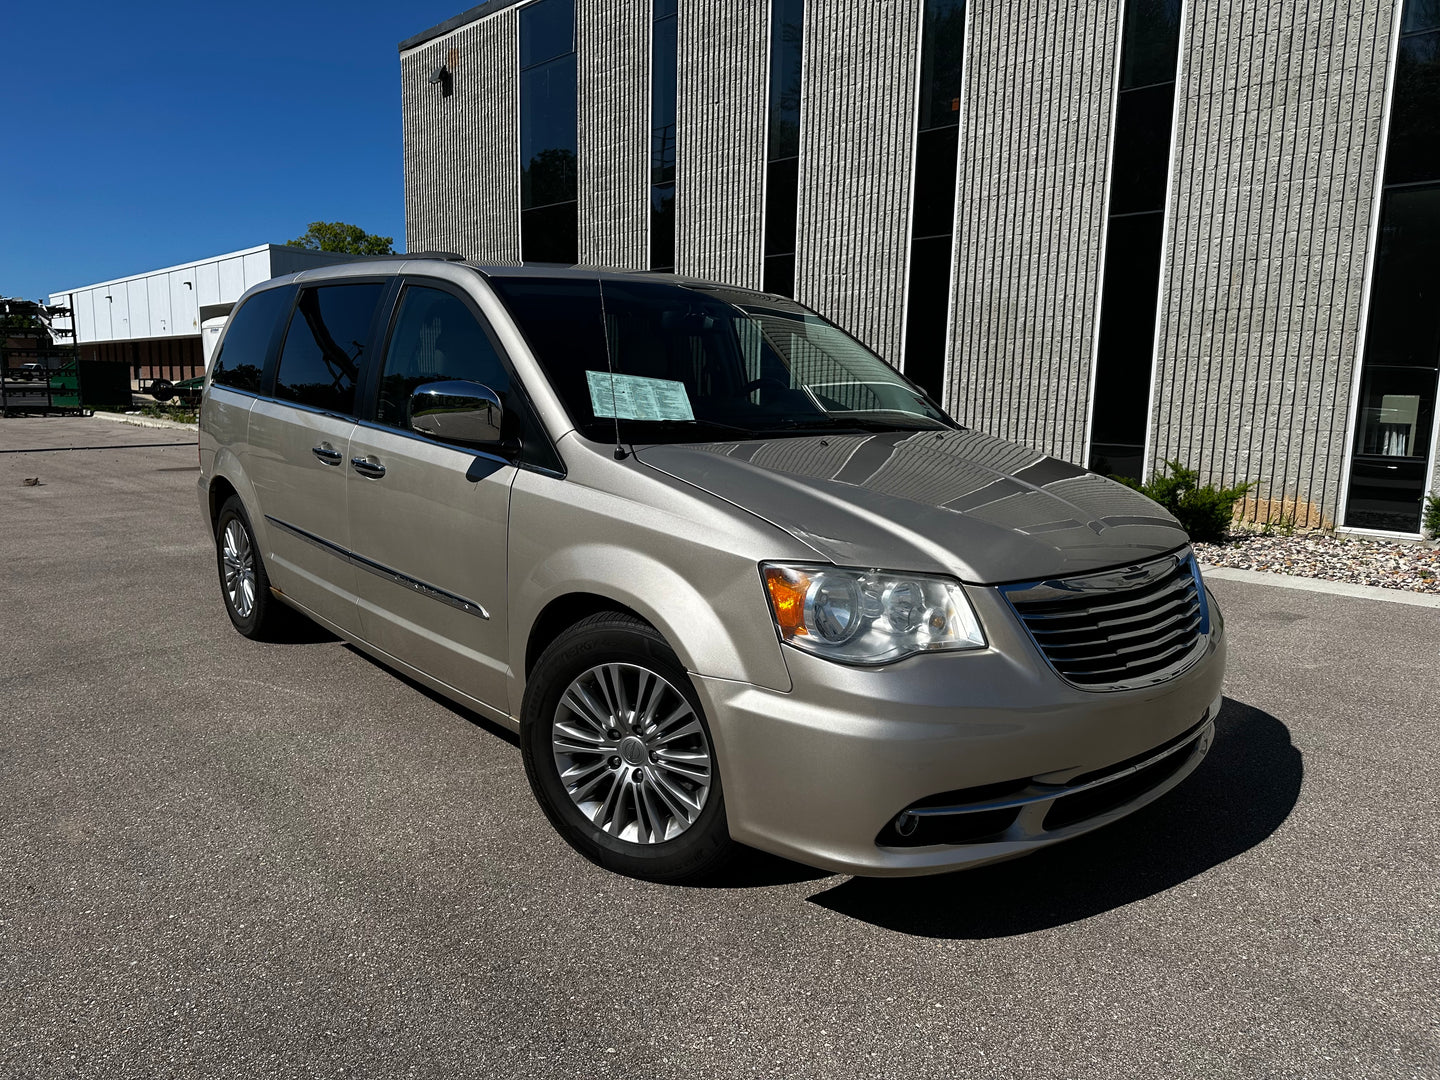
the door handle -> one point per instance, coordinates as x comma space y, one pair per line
372, 469
326, 454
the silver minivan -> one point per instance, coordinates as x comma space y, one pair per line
730, 577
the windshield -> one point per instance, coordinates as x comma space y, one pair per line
688, 362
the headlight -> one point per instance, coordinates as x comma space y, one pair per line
869, 616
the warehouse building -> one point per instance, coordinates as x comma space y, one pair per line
153, 322
1121, 232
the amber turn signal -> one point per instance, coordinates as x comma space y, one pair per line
787, 598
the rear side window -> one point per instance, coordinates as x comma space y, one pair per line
241, 359
324, 353
436, 338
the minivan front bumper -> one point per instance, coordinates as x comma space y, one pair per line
820, 773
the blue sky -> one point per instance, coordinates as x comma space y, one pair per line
142, 135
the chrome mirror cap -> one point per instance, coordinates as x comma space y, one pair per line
456, 411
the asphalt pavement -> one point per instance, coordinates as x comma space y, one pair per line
220, 858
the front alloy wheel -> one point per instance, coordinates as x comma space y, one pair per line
631, 753
619, 753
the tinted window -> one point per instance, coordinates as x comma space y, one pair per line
241, 359
551, 233
1404, 325
662, 227
547, 134
787, 27
664, 67
1421, 15
942, 55
1142, 149
547, 30
1152, 43
436, 338
1414, 149
324, 349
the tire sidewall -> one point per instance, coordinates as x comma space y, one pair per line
574, 652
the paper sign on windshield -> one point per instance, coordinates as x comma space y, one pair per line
634, 397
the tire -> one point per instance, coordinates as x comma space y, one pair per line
162, 390
248, 601
660, 817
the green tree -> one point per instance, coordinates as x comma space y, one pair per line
340, 236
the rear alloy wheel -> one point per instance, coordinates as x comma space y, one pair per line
244, 585
619, 755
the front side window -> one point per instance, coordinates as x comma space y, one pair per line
436, 339
324, 351
675, 363
241, 360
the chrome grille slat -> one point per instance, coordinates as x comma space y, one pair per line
1117, 629
1085, 620
1052, 639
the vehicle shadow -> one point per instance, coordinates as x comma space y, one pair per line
1240, 794
484, 722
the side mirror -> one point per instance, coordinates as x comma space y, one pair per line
456, 411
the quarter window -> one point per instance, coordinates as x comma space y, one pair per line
436, 339
240, 363
324, 350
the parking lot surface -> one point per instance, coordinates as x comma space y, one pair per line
220, 858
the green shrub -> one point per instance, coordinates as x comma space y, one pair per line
1431, 521
1204, 511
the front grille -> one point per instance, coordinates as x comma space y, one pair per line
1118, 629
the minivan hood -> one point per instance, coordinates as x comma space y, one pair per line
953, 502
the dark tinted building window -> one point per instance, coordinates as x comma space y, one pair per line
932, 227
436, 339
240, 363
549, 221
1395, 414
664, 69
324, 353
782, 153
1134, 235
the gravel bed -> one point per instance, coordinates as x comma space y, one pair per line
1359, 560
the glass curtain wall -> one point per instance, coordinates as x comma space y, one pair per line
782, 152
664, 64
932, 227
549, 207
1134, 233
1398, 373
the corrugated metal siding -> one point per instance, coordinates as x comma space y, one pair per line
720, 140
857, 138
1030, 202
462, 153
613, 71
1275, 163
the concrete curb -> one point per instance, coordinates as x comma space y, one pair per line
145, 421
1332, 588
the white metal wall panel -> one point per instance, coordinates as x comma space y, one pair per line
207, 284
157, 291
720, 140
255, 268
184, 312
857, 138
232, 279
137, 314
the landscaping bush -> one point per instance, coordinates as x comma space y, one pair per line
1431, 521
1204, 511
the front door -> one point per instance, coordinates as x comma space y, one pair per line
428, 521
